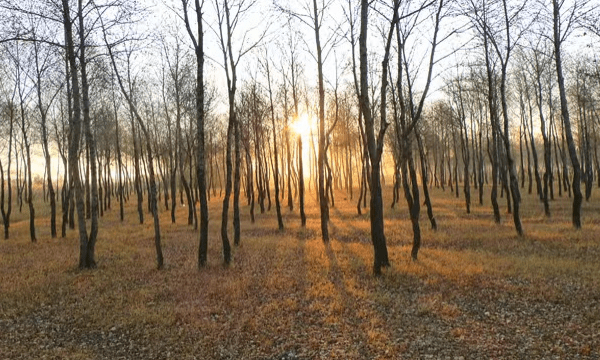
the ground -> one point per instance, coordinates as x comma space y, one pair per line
477, 291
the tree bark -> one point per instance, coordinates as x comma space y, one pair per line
6, 212
375, 146
564, 107
91, 245
275, 152
75, 137
323, 201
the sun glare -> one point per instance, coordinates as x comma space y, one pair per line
302, 126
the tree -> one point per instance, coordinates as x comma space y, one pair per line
323, 202
537, 64
90, 141
460, 116
561, 28
275, 152
86, 259
120, 189
411, 106
375, 144
8, 110
229, 14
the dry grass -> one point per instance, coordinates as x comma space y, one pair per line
477, 291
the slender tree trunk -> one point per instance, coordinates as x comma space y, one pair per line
250, 179
495, 171
119, 163
90, 251
136, 166
74, 140
228, 185
6, 212
375, 146
323, 203
424, 178
2, 194
275, 152
538, 180
198, 42
557, 155
236, 185
512, 173
289, 165
51, 192
564, 107
27, 170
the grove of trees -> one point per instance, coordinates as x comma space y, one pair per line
173, 103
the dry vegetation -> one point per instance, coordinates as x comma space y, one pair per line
478, 291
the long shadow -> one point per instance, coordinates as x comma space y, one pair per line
349, 301
414, 330
352, 234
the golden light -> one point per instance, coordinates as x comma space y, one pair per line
305, 127
302, 126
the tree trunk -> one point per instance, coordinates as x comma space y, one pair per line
136, 166
301, 183
27, 170
426, 189
75, 135
547, 178
91, 245
198, 42
236, 185
6, 212
323, 201
375, 146
228, 185
577, 196
275, 152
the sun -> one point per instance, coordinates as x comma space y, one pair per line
302, 126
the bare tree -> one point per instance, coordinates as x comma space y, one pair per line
90, 141
561, 28
229, 15
407, 118
275, 152
86, 259
8, 111
120, 189
375, 143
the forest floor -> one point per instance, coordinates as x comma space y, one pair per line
477, 291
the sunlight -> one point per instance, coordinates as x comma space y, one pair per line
305, 127
302, 126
